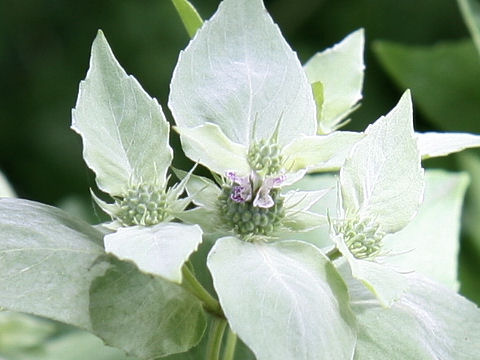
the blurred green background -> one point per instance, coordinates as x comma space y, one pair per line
44, 52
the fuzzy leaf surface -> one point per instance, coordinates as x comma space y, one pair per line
146, 316
124, 131
382, 179
340, 71
430, 243
159, 250
240, 73
430, 322
284, 299
46, 259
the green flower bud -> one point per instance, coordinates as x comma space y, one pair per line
265, 157
143, 204
362, 237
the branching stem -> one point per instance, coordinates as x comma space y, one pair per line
191, 283
215, 337
229, 352
334, 254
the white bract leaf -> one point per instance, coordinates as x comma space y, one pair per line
430, 243
239, 73
285, 300
382, 179
204, 192
209, 146
321, 152
340, 71
5, 189
433, 144
430, 322
124, 131
385, 282
158, 250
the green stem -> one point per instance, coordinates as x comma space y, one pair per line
215, 337
191, 283
229, 352
334, 254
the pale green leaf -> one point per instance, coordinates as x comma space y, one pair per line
387, 283
284, 299
6, 189
208, 145
301, 221
382, 178
204, 192
321, 152
326, 205
302, 200
72, 346
471, 163
239, 73
432, 144
143, 315
430, 322
317, 88
208, 219
159, 250
124, 131
46, 259
340, 70
471, 14
430, 243
21, 331
189, 15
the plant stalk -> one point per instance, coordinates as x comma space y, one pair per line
191, 283
229, 352
215, 338
334, 254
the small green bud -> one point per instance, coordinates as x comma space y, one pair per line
265, 157
143, 204
362, 237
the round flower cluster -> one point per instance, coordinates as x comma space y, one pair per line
362, 237
143, 204
246, 219
265, 157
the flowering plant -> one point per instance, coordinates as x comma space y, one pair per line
304, 265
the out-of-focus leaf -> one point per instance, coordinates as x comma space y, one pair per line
6, 189
429, 244
189, 15
471, 14
444, 80
20, 331
73, 346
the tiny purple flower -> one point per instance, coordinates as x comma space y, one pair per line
242, 192
263, 198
